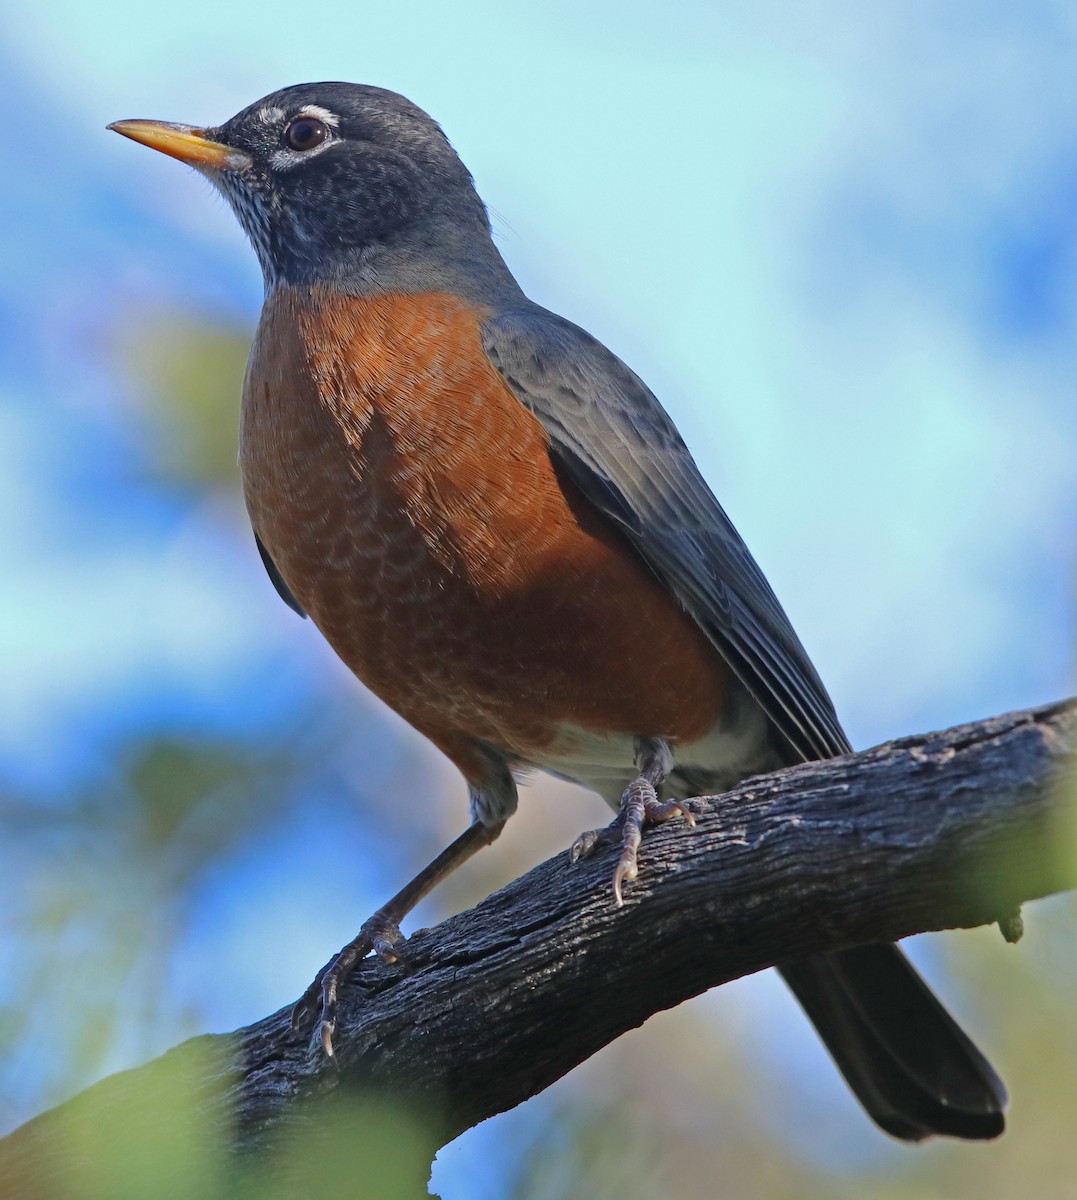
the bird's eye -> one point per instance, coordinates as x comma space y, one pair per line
304, 133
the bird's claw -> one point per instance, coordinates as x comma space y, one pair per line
589, 841
318, 1004
640, 807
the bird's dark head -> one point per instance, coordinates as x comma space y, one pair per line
333, 179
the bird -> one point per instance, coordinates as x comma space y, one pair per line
498, 528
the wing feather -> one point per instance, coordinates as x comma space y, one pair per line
621, 449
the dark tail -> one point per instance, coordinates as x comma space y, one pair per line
908, 1061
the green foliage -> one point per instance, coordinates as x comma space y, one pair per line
143, 1135
165, 1133
188, 372
109, 880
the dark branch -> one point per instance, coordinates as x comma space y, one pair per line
952, 829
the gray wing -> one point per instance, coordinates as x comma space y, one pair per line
277, 579
621, 449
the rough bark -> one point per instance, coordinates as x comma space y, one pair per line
952, 829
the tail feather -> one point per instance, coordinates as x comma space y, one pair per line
907, 1060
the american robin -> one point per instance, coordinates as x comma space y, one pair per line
500, 531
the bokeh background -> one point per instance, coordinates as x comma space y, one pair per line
840, 242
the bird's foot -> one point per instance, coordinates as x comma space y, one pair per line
318, 1004
640, 807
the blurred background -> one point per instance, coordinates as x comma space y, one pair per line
838, 240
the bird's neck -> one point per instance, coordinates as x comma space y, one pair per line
454, 256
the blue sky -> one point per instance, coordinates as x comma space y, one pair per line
839, 243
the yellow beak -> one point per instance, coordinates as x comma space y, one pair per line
185, 142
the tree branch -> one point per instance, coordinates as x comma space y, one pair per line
951, 829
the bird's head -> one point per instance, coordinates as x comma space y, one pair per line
328, 177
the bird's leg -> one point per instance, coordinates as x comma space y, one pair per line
381, 933
640, 807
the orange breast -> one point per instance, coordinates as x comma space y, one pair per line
411, 504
